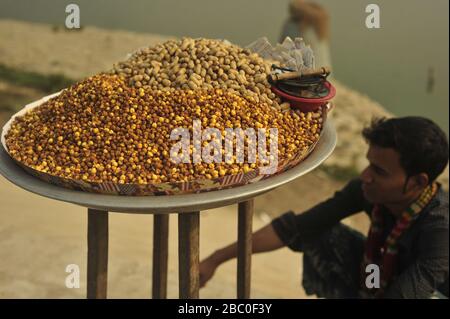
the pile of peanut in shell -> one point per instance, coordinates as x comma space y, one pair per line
201, 64
116, 127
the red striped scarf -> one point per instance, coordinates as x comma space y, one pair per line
384, 254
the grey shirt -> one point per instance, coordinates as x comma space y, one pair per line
423, 247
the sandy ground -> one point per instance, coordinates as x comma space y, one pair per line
39, 237
74, 53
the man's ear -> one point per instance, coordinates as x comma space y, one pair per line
419, 181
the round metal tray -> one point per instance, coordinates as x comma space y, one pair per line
168, 203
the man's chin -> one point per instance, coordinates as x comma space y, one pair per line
370, 198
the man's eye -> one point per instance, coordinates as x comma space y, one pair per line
378, 170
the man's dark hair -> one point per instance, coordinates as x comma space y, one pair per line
422, 145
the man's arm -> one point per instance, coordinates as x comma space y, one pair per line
295, 229
263, 240
290, 229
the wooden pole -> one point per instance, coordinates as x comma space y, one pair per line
245, 212
160, 255
97, 268
188, 254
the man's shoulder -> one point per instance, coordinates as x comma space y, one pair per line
439, 205
354, 185
352, 192
437, 213
442, 197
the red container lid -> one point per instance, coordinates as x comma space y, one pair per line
306, 104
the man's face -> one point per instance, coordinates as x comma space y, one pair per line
384, 178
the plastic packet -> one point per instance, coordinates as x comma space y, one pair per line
308, 57
262, 47
288, 44
295, 54
299, 43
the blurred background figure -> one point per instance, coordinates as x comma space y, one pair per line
430, 80
310, 21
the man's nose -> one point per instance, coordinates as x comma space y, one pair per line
366, 177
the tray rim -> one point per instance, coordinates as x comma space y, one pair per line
152, 189
168, 203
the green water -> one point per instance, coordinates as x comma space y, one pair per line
389, 64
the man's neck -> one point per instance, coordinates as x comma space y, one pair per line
398, 208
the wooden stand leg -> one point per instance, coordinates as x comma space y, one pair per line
245, 212
97, 267
188, 254
160, 255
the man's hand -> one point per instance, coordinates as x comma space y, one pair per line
207, 269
